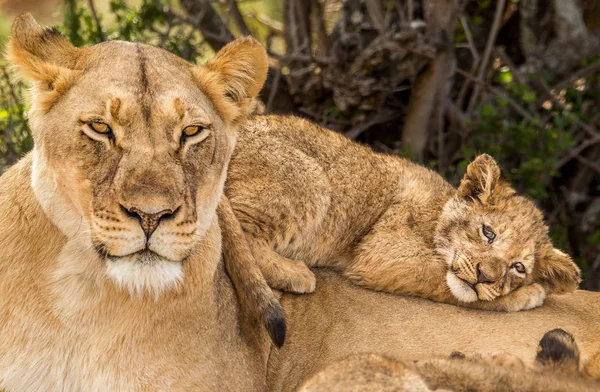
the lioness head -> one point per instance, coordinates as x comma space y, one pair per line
132, 144
495, 241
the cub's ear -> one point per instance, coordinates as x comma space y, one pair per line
235, 77
557, 272
483, 180
42, 55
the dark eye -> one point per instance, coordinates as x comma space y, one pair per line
519, 267
100, 127
488, 233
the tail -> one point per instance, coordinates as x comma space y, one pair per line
255, 295
558, 351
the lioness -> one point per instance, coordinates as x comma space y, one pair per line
556, 370
307, 196
110, 248
341, 319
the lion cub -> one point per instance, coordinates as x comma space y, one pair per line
306, 196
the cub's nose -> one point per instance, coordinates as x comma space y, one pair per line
149, 221
483, 276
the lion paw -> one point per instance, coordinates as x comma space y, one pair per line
525, 298
293, 277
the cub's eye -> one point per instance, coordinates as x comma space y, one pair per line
100, 127
488, 233
519, 267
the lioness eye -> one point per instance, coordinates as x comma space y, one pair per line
519, 267
192, 130
100, 127
488, 233
195, 133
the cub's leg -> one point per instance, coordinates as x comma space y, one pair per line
394, 258
280, 272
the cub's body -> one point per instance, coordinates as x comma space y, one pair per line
307, 196
318, 193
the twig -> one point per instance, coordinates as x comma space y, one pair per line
322, 40
556, 101
580, 73
574, 153
487, 52
460, 98
237, 16
589, 163
377, 119
376, 14
515, 105
511, 65
590, 69
96, 19
203, 17
273, 25
470, 41
274, 88
323, 119
287, 58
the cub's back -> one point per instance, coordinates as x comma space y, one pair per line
295, 174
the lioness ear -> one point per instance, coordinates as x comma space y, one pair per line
235, 77
42, 55
482, 180
557, 272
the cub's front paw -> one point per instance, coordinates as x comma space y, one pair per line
294, 277
524, 298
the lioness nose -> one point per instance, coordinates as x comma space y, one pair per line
149, 221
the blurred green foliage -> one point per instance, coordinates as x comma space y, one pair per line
149, 22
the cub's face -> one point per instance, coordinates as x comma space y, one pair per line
132, 145
495, 241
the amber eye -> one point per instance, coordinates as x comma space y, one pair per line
488, 233
519, 267
192, 130
100, 127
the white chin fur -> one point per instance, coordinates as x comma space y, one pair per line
140, 278
460, 289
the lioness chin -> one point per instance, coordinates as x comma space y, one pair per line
111, 270
307, 196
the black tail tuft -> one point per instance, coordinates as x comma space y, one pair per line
558, 347
274, 322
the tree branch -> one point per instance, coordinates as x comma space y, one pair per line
208, 22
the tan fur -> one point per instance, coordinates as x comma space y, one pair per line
111, 275
306, 196
378, 373
341, 319
556, 369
